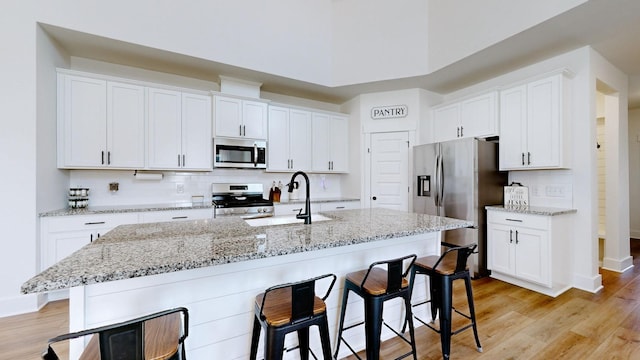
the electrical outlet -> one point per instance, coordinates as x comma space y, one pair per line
180, 188
114, 186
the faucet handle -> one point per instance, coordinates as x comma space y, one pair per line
298, 210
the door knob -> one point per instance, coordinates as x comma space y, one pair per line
374, 198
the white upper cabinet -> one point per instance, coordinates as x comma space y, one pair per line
533, 125
330, 143
238, 118
100, 123
179, 130
289, 142
472, 117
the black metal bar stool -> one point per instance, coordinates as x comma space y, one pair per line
156, 336
376, 285
291, 307
442, 271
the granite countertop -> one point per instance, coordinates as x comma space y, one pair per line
127, 209
146, 249
92, 210
532, 210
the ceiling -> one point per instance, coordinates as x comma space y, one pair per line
611, 27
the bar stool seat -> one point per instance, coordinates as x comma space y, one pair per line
291, 307
376, 285
442, 271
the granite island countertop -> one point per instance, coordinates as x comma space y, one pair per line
130, 251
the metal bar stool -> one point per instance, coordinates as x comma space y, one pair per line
376, 285
291, 307
156, 336
442, 271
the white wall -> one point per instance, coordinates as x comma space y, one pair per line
634, 172
18, 217
459, 28
381, 39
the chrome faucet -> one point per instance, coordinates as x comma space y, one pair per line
307, 204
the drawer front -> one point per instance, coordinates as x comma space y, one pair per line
517, 219
340, 205
89, 222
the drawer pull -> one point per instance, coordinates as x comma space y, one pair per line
516, 220
95, 223
339, 207
179, 217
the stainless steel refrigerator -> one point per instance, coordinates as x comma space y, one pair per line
458, 179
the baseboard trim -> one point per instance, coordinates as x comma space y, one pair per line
21, 304
591, 284
618, 265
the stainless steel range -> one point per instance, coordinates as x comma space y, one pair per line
245, 200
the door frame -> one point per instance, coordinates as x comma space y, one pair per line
365, 195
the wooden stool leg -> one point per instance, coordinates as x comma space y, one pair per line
255, 338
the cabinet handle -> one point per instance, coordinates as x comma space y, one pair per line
91, 238
339, 207
108, 157
516, 236
94, 223
244, 130
510, 236
522, 158
184, 162
458, 131
516, 220
240, 130
461, 131
528, 158
102, 161
178, 160
179, 217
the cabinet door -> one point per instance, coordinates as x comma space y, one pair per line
478, 116
320, 124
228, 117
125, 126
300, 139
446, 122
500, 249
532, 255
278, 140
544, 123
82, 130
513, 129
197, 141
339, 143
254, 119
165, 129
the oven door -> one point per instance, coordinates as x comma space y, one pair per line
246, 154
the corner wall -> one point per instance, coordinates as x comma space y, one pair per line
634, 172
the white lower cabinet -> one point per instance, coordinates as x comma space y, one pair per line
531, 251
176, 215
338, 205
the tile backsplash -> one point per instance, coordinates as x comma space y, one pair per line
175, 187
550, 188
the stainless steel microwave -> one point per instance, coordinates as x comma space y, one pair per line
239, 153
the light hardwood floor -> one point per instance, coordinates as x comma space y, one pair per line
513, 323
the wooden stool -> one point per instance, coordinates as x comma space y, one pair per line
442, 271
291, 307
377, 285
164, 335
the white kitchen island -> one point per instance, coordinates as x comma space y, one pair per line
216, 267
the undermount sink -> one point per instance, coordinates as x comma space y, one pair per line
283, 220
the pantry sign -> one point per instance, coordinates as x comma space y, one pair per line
389, 112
